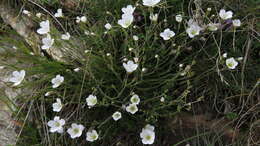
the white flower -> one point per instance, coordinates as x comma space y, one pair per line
148, 135
132, 108
236, 23
108, 26
130, 66
162, 99
135, 37
56, 124
240, 58
2, 67
178, 18
153, 17
75, 130
57, 106
92, 135
150, 3
193, 29
213, 26
76, 69
17, 77
167, 34
81, 19
223, 14
44, 27
117, 115
91, 100
47, 42
224, 55
65, 36
149, 127
48, 93
135, 58
126, 20
129, 9
39, 15
135, 99
231, 63
58, 13
56, 82
26, 12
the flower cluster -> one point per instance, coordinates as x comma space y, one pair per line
193, 29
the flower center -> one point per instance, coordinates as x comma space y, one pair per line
57, 124
135, 100
76, 130
193, 32
93, 136
230, 64
132, 108
148, 137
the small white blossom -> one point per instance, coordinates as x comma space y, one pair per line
56, 82
167, 34
240, 58
135, 58
47, 93
135, 99
126, 20
178, 18
26, 12
2, 67
231, 63
223, 14
132, 108
130, 66
75, 130
57, 106
58, 13
193, 29
65, 36
224, 55
236, 23
87, 32
81, 19
39, 15
213, 26
56, 124
135, 37
129, 9
17, 77
153, 17
130, 49
117, 115
91, 100
148, 135
162, 99
149, 127
47, 42
150, 3
76, 69
92, 135
108, 26
44, 27
208, 9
